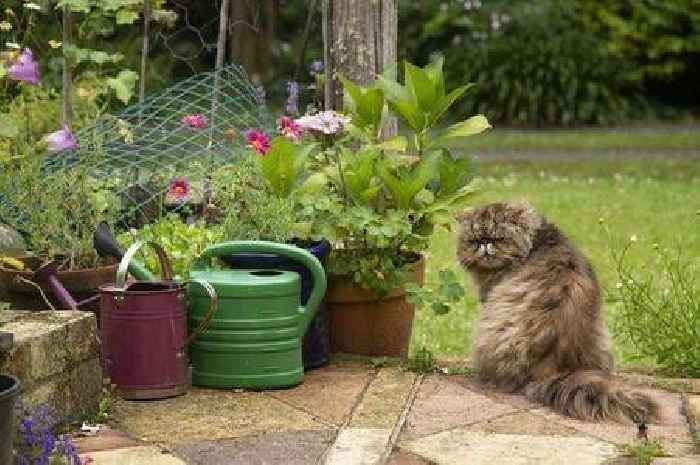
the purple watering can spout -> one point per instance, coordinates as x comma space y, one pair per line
46, 275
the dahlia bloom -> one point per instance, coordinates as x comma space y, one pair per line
25, 68
195, 121
258, 141
62, 140
178, 191
289, 128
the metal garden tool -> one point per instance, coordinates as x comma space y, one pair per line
106, 246
254, 340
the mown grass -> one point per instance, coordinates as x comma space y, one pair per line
655, 199
662, 138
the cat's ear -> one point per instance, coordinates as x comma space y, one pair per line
463, 216
527, 214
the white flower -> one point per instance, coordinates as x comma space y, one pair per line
55, 43
32, 6
633, 238
325, 122
618, 285
13, 45
5, 26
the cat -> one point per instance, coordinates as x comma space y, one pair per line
541, 331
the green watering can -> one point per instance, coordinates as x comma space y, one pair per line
254, 339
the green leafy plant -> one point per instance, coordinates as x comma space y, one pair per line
377, 201
422, 361
181, 241
644, 452
659, 309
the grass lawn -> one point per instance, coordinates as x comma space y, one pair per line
656, 199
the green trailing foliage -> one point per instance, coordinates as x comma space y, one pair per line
659, 309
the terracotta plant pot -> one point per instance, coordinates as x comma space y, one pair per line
362, 323
81, 284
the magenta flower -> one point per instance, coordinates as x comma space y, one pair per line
62, 140
258, 141
25, 68
178, 191
195, 121
289, 128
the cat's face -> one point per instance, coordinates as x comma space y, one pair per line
496, 235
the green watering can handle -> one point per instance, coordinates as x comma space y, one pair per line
126, 265
284, 250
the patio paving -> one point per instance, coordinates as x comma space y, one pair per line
356, 413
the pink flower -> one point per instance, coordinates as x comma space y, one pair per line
62, 140
289, 128
258, 141
195, 121
324, 122
25, 68
178, 191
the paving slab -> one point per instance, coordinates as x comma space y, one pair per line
694, 411
522, 423
443, 404
204, 414
459, 447
675, 439
106, 439
143, 455
358, 446
400, 457
328, 393
690, 460
517, 401
289, 448
384, 400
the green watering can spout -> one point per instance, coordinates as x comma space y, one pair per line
291, 252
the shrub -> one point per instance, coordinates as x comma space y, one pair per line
659, 311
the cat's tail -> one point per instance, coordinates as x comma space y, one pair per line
592, 396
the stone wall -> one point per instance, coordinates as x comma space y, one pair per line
56, 357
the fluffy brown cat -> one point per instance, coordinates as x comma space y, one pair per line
541, 331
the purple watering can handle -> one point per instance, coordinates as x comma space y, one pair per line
213, 307
165, 267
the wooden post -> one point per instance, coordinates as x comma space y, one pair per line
360, 40
145, 48
67, 91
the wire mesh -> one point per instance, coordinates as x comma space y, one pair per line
136, 153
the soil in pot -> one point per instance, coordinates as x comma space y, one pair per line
362, 323
81, 284
9, 392
316, 344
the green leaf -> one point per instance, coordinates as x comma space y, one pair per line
410, 113
283, 164
8, 127
393, 90
126, 17
100, 57
359, 173
77, 6
435, 74
405, 184
454, 174
123, 85
422, 88
446, 102
474, 125
395, 144
367, 105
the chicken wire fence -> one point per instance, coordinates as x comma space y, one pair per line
184, 132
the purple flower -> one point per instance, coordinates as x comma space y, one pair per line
324, 122
292, 107
25, 68
316, 67
195, 121
258, 141
62, 140
178, 191
289, 128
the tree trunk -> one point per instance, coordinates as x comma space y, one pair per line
360, 39
251, 35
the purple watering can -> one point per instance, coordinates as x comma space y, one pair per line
144, 331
